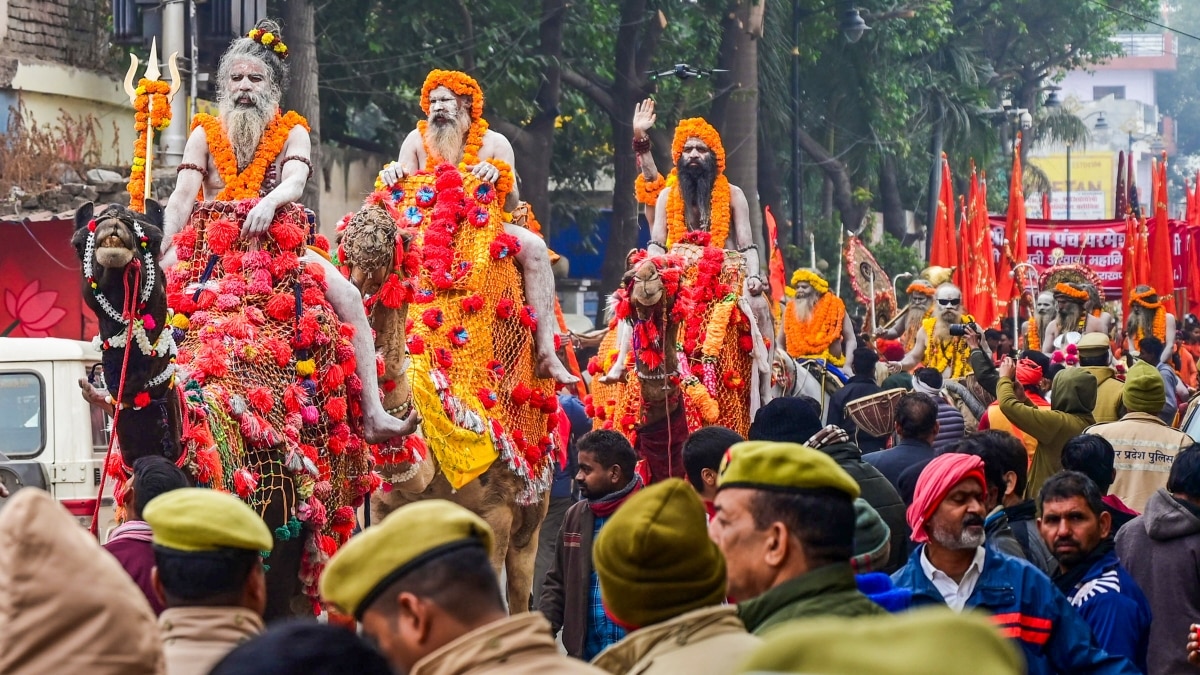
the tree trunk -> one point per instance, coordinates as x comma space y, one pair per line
302, 95
893, 206
735, 111
623, 229
769, 191
534, 145
838, 181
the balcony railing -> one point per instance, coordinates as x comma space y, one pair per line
1145, 44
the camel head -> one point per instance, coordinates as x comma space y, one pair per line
372, 246
113, 237
653, 281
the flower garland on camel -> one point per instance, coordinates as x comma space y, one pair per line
247, 183
939, 355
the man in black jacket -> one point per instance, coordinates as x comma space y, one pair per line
798, 420
863, 384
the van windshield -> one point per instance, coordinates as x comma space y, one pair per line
22, 414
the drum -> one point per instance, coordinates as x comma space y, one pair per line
876, 414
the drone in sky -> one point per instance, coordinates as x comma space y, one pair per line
685, 72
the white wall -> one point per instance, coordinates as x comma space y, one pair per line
1139, 84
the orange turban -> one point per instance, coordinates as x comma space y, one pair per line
459, 83
696, 127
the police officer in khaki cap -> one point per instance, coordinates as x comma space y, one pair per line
422, 584
1095, 356
208, 548
785, 523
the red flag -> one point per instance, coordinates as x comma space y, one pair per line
1129, 264
1121, 203
980, 260
1015, 249
944, 252
1162, 269
775, 273
1046, 206
964, 276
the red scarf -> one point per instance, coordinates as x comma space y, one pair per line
608, 504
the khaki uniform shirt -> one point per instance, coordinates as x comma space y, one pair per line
710, 640
196, 638
1145, 449
518, 645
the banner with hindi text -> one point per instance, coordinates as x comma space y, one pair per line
1097, 244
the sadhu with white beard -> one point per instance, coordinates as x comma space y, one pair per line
1034, 329
1148, 317
935, 346
1071, 316
920, 307
253, 150
815, 323
454, 132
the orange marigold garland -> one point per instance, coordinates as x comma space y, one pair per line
459, 83
719, 214
1072, 292
1033, 341
247, 183
648, 191
812, 338
152, 109
1159, 326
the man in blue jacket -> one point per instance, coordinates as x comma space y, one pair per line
1076, 527
953, 567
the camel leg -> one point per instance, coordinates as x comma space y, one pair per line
500, 518
522, 552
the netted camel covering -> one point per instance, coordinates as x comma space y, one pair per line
715, 345
471, 335
272, 399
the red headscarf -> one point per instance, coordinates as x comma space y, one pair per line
937, 479
1029, 372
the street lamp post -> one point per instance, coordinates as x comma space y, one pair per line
852, 26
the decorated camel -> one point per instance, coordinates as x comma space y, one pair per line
489, 426
251, 401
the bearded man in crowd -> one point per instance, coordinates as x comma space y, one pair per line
920, 306
453, 103
250, 81
935, 346
815, 323
1033, 331
1148, 317
1071, 316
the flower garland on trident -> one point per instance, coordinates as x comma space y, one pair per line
152, 110
246, 183
953, 353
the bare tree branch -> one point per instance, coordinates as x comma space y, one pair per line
591, 89
468, 27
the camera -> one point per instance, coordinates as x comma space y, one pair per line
960, 329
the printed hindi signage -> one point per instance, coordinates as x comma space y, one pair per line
1098, 245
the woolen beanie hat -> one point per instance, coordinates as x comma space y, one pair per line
654, 558
872, 538
790, 419
1144, 390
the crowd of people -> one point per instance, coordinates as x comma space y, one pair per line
792, 550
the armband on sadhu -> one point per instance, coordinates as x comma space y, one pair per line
504, 184
647, 191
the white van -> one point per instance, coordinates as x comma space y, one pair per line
50, 438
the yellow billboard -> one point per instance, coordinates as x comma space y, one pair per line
1093, 178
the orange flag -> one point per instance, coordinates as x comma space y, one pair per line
1162, 268
775, 273
1015, 248
1129, 262
944, 251
980, 259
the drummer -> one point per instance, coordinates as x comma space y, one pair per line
1071, 320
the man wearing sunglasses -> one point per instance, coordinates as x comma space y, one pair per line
936, 346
